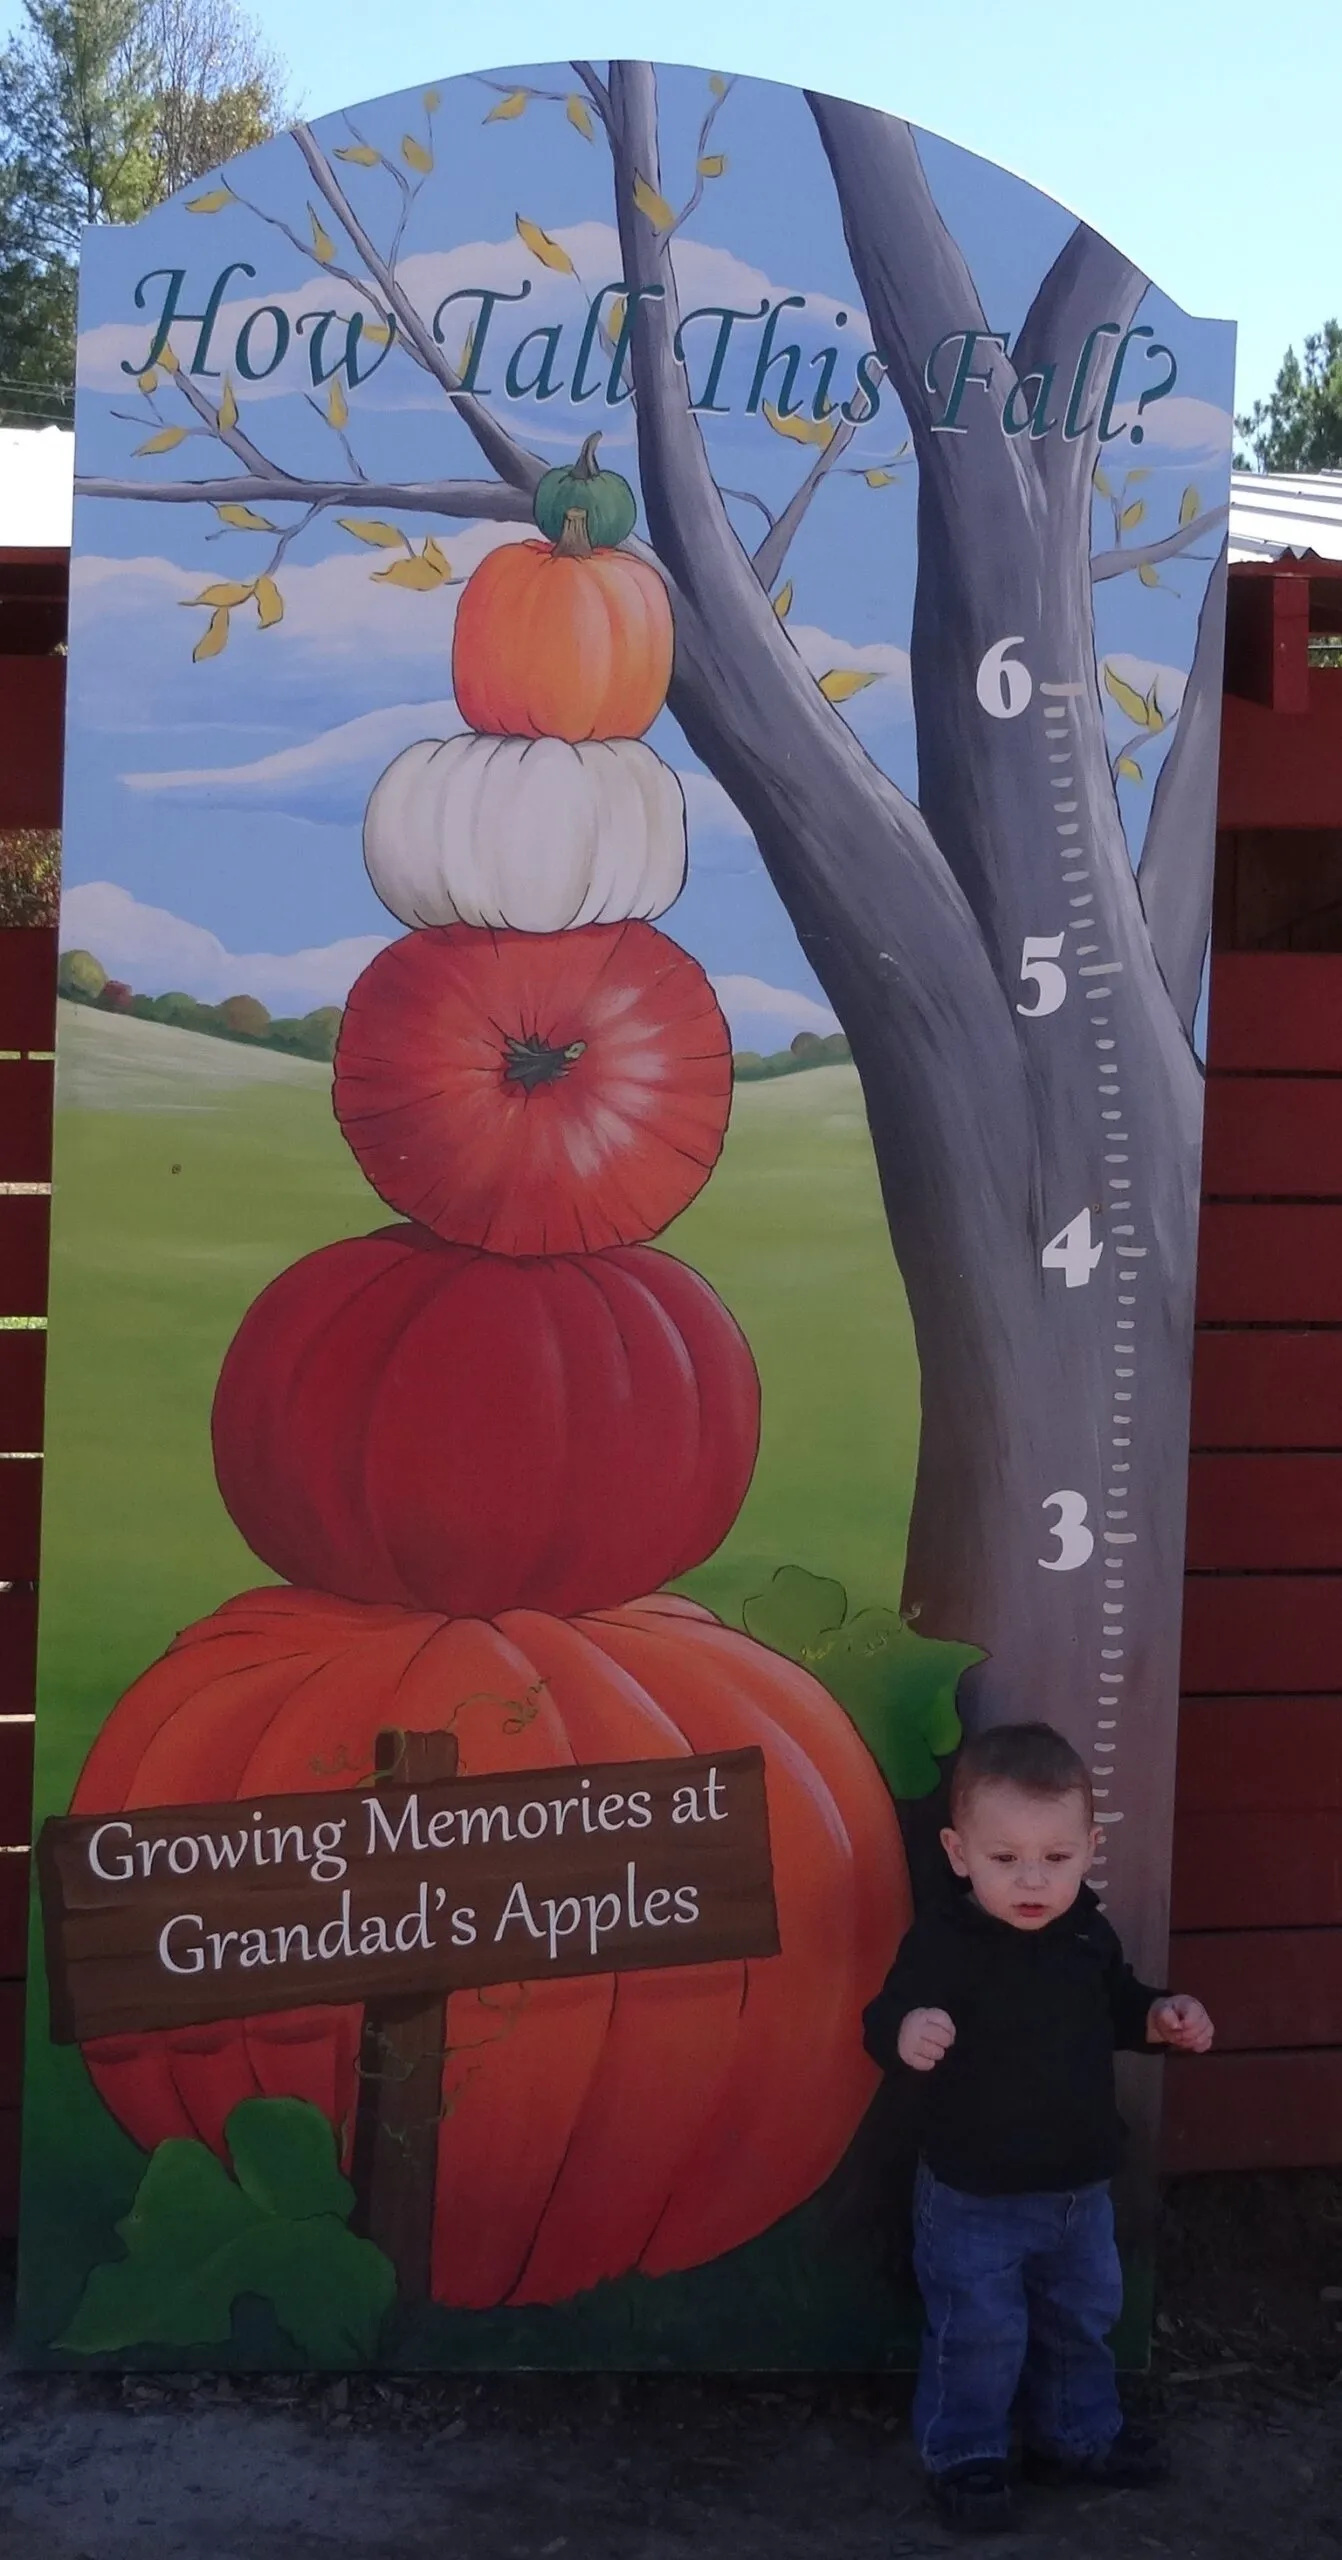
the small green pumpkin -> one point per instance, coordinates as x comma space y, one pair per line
601, 498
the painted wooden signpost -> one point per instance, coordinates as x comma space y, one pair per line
654, 641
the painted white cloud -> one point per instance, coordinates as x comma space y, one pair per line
326, 776
1142, 674
1179, 425
709, 807
767, 1018
155, 950
821, 652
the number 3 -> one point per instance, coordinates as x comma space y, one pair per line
1039, 967
1005, 686
1076, 1543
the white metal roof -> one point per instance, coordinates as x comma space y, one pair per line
1269, 512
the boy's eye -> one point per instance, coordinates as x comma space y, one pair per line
1003, 1858
1059, 1857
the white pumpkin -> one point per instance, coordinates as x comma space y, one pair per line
528, 832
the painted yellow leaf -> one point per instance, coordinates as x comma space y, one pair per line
1132, 515
1102, 482
212, 202
269, 603
417, 573
168, 360
337, 406
580, 116
437, 557
658, 211
244, 519
1150, 577
228, 405
842, 683
362, 154
711, 164
783, 601
1155, 717
372, 529
615, 320
376, 332
878, 479
543, 247
801, 430
225, 592
149, 381
164, 441
717, 84
513, 105
323, 246
433, 100
1189, 506
415, 155
1130, 702
1130, 769
467, 351
214, 639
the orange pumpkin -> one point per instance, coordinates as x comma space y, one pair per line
561, 641
589, 2127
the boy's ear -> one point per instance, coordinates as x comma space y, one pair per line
950, 1841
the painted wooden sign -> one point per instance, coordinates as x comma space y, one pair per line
644, 690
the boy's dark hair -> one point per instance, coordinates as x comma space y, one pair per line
1032, 1757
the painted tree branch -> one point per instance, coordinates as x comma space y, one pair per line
1115, 564
1088, 275
1175, 878
778, 541
596, 90
513, 463
233, 437
490, 499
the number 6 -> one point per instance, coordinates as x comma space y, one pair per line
1039, 964
1005, 686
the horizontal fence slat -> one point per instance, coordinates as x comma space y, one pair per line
1257, 1870
1265, 1512
1267, 1390
27, 1088
1272, 1137
1264, 1988
1253, 2111
1269, 1632
1252, 1755
1270, 1263
24, 1252
27, 987
1280, 1010
32, 730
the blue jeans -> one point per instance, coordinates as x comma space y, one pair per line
1020, 2294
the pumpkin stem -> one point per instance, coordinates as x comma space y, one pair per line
575, 542
586, 467
532, 1061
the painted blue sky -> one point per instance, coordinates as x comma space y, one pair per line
214, 809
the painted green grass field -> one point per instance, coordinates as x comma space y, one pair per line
188, 1173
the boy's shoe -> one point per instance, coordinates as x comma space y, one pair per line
1135, 2460
974, 2497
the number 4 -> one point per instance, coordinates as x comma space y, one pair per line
1072, 1252
1039, 967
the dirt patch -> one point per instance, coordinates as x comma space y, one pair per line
1247, 2381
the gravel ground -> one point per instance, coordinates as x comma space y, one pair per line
1247, 2383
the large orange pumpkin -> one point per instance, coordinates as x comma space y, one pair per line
403, 1420
535, 1092
562, 641
589, 2127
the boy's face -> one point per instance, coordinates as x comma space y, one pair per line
1024, 1855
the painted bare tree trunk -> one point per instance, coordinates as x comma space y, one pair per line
992, 1130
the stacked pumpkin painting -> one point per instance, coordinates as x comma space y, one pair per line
476, 1442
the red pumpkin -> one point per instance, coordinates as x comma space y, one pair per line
403, 1420
562, 642
589, 2127
535, 1092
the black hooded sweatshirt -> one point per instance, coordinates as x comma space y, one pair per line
1024, 2100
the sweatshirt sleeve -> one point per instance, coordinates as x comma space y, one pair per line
1129, 2004
920, 1978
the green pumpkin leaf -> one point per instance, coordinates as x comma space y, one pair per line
195, 2240
898, 1688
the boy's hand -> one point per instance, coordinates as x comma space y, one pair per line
925, 2037
1181, 2022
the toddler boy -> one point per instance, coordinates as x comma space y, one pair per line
1009, 2000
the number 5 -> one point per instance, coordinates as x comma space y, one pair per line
1005, 686
1039, 965
1076, 1543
